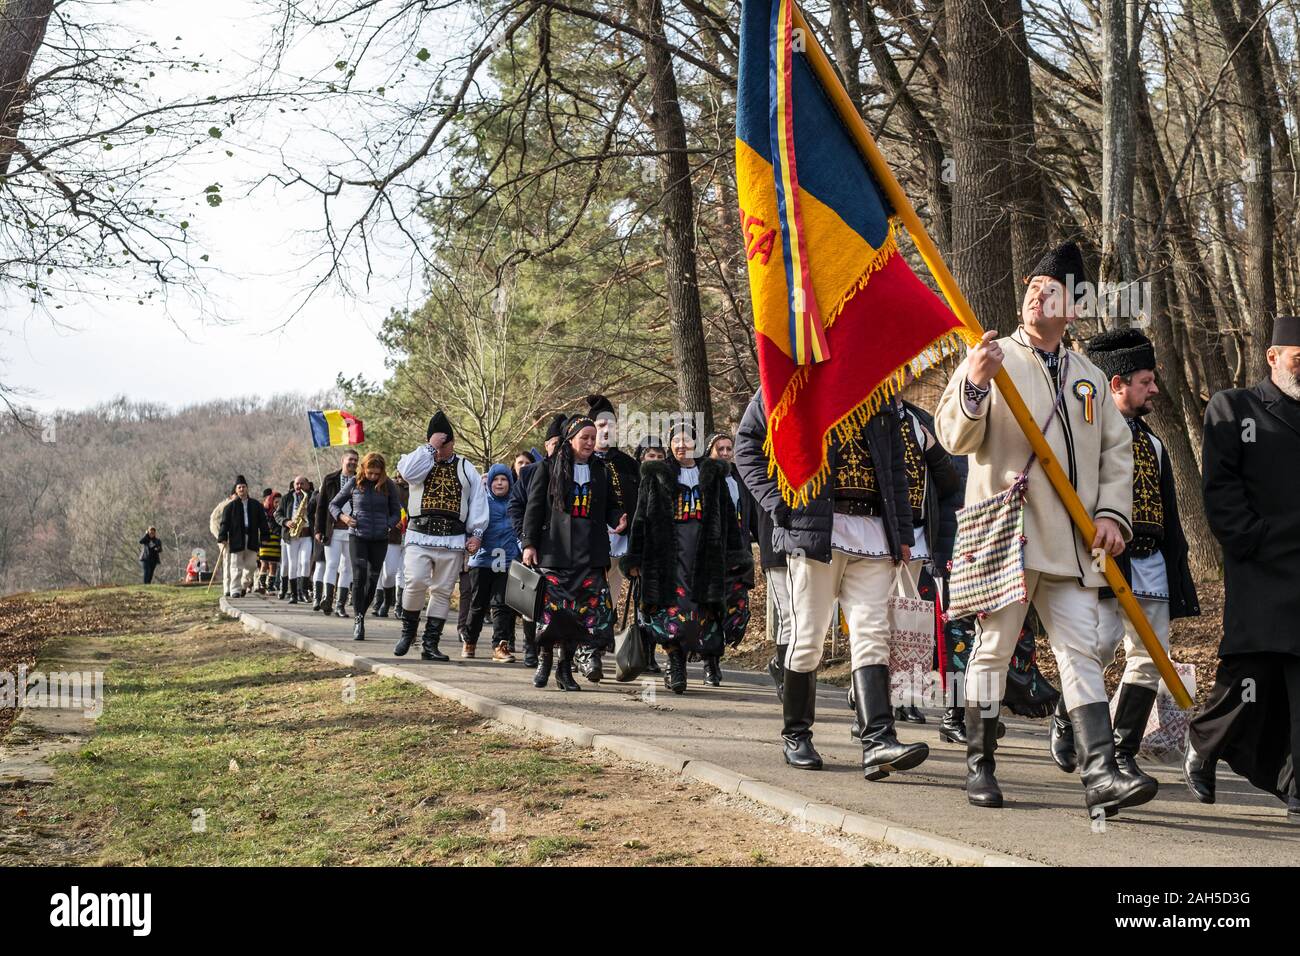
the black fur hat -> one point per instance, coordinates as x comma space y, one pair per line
556, 428
599, 404
1286, 330
1065, 265
440, 423
1121, 352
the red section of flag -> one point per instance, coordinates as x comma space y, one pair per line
356, 431
887, 322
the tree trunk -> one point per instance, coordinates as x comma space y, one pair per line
981, 228
22, 30
677, 219
1257, 176
1029, 197
1118, 155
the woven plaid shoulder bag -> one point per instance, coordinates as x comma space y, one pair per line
987, 570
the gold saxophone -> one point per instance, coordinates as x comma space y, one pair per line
299, 519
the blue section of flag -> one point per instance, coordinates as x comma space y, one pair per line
320, 430
830, 165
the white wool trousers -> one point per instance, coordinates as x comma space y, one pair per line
1139, 668
862, 587
1071, 615
430, 574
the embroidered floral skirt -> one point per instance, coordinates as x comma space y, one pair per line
577, 607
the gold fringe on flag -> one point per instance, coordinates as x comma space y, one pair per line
947, 344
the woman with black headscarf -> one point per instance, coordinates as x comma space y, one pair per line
686, 548
571, 507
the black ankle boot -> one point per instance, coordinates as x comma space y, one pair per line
327, 602
564, 668
799, 712
1105, 788
911, 714
1198, 770
712, 671
1132, 710
1060, 738
776, 670
882, 754
545, 658
429, 640
652, 665
410, 625
675, 678
952, 729
342, 609
982, 788
359, 626
593, 667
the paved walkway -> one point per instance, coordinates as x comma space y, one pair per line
737, 727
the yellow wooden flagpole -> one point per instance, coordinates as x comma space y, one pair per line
857, 128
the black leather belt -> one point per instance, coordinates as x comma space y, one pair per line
437, 525
1143, 546
857, 506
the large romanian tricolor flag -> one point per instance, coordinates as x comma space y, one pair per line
839, 314
334, 427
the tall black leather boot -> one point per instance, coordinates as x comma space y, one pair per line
799, 713
855, 728
776, 670
410, 625
675, 677
952, 728
318, 592
381, 597
1198, 770
564, 667
882, 754
530, 646
429, 640
327, 602
284, 586
359, 626
651, 665
1132, 709
342, 609
1060, 738
982, 788
295, 592
713, 670
545, 658
1105, 788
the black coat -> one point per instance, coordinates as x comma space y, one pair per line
232, 526
150, 550
1249, 462
550, 530
652, 547
1182, 587
809, 527
517, 503
945, 491
323, 522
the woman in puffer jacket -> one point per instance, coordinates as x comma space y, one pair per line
376, 510
490, 567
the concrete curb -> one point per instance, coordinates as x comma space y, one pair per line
787, 802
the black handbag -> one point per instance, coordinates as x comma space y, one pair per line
629, 650
525, 590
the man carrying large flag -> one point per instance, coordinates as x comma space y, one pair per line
1066, 394
838, 317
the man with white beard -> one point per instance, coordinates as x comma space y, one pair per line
1250, 460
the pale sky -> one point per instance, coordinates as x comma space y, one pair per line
169, 352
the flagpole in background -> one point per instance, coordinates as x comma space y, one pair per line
857, 128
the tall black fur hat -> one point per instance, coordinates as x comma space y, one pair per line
597, 405
556, 427
440, 423
1065, 265
1121, 352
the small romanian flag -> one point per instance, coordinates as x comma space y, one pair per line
334, 427
838, 313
